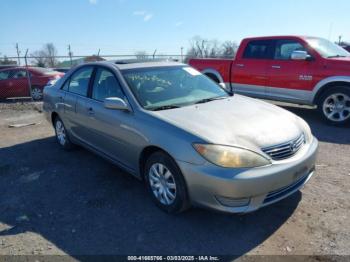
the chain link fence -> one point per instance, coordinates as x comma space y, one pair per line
25, 77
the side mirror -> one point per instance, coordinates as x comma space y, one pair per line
300, 55
116, 103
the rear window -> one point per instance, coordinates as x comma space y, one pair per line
258, 49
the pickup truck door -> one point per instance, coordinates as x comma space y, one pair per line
289, 80
249, 76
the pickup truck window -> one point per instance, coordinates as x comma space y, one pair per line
285, 48
258, 49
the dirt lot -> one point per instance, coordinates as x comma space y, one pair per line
56, 202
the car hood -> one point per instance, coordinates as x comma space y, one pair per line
235, 121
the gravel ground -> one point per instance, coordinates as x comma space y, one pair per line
75, 203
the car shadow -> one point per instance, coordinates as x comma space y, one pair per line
86, 206
321, 130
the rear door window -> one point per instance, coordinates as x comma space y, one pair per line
259, 49
79, 81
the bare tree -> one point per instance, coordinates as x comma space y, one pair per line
6, 61
46, 57
204, 48
141, 55
39, 58
200, 47
229, 49
51, 53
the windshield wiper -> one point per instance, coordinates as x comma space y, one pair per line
163, 107
205, 100
335, 56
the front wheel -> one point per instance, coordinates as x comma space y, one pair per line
165, 183
61, 134
334, 105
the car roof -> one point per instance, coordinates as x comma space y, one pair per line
278, 37
136, 64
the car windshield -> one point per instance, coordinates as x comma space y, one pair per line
326, 48
170, 87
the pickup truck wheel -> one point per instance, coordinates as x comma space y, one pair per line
213, 77
334, 105
165, 183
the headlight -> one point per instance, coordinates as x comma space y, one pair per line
227, 156
306, 129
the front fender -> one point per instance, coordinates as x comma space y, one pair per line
333, 79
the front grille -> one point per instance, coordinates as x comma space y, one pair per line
280, 193
285, 150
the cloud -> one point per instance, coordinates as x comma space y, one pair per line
140, 12
146, 15
180, 23
93, 2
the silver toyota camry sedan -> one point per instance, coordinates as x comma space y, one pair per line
189, 140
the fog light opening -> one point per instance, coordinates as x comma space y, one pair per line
233, 202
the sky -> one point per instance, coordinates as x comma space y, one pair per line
128, 26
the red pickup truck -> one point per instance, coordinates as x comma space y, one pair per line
296, 69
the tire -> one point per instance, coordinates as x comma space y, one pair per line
37, 93
62, 135
214, 78
334, 105
162, 172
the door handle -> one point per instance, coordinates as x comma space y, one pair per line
240, 65
276, 66
91, 111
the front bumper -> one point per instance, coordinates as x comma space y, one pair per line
247, 190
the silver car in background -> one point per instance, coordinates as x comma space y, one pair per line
191, 141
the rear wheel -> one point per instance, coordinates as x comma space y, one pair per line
165, 183
61, 134
334, 105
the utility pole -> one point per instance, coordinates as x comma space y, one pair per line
340, 37
18, 53
98, 53
70, 55
154, 53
